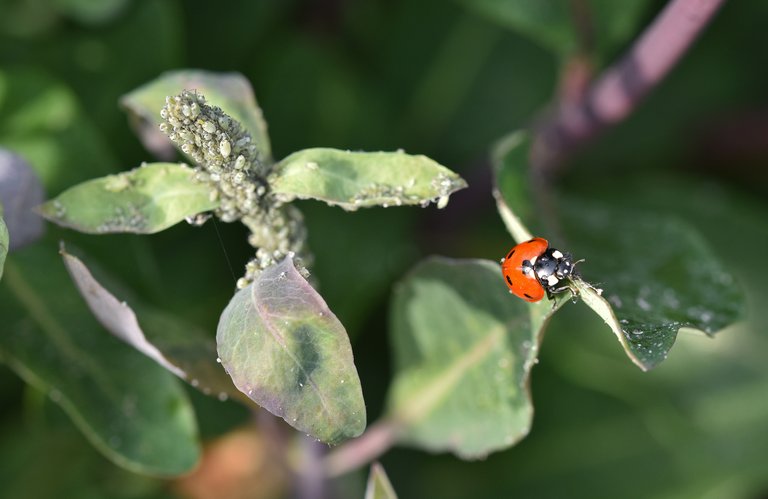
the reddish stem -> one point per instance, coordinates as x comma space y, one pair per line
622, 87
376, 440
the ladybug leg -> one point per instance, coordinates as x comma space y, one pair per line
567, 287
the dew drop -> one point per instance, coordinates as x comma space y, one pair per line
223, 396
218, 360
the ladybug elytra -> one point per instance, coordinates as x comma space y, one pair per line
533, 267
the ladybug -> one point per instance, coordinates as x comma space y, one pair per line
533, 267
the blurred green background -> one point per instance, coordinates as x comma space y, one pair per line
442, 79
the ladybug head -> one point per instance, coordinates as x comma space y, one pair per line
552, 267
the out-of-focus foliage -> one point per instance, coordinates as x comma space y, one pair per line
3, 242
20, 192
379, 486
448, 85
129, 408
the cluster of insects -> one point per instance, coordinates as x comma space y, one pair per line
534, 268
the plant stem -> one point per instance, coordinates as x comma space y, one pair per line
621, 88
310, 481
356, 453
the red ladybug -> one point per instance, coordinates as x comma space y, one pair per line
533, 267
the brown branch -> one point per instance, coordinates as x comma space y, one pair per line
622, 87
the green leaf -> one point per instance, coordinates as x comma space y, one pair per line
230, 91
286, 350
359, 179
379, 486
464, 349
180, 348
4, 243
514, 199
658, 273
546, 21
144, 200
132, 410
552, 23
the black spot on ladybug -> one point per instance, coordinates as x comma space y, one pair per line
510, 254
528, 296
509, 281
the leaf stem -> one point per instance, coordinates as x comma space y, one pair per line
514, 226
310, 480
356, 453
622, 87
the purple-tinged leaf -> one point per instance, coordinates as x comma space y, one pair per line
288, 352
183, 350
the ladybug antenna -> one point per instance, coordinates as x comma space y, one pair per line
573, 267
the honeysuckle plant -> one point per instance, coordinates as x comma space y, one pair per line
277, 340
463, 348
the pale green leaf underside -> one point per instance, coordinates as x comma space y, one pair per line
464, 348
286, 350
144, 200
379, 486
181, 349
230, 91
360, 179
131, 409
